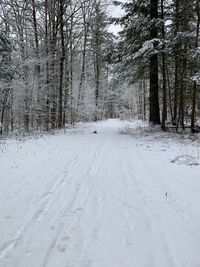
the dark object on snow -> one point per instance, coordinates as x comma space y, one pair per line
195, 129
95, 132
166, 194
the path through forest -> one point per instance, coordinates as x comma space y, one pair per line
79, 199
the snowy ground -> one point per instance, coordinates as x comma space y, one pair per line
79, 199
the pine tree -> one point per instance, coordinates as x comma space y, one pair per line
139, 39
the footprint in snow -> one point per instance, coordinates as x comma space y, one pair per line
63, 244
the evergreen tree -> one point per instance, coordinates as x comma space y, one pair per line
139, 39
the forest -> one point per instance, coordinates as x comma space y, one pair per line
99, 133
61, 64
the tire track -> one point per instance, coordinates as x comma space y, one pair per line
149, 214
75, 211
45, 203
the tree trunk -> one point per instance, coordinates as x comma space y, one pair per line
60, 109
164, 110
194, 93
154, 101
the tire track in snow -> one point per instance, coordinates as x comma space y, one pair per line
74, 211
135, 179
44, 206
160, 208
104, 193
157, 237
50, 197
171, 201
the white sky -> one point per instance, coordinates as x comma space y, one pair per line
115, 11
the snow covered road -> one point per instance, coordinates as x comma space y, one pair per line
79, 199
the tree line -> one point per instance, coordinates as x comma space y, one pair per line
53, 67
159, 52
59, 63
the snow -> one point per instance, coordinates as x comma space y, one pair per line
118, 198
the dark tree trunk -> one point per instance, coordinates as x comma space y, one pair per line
47, 107
164, 110
60, 109
154, 101
169, 93
193, 104
194, 93
176, 90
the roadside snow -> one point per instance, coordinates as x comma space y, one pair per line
127, 196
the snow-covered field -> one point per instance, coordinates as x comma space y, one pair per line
124, 197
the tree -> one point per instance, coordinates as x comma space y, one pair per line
139, 39
154, 116
5, 77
